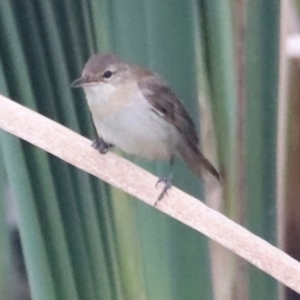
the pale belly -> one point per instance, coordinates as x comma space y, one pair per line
139, 131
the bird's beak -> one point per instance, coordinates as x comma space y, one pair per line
79, 82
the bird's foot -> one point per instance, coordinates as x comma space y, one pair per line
101, 146
167, 185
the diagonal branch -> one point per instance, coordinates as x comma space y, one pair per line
76, 150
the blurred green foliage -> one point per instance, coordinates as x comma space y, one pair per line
83, 239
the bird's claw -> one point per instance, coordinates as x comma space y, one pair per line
167, 185
101, 146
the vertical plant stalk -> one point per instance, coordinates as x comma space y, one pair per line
218, 49
288, 174
282, 131
241, 285
262, 65
290, 215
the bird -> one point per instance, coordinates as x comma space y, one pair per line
136, 111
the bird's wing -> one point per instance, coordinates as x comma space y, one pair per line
168, 106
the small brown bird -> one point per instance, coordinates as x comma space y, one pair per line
135, 110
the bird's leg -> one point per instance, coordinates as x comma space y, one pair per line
167, 183
100, 145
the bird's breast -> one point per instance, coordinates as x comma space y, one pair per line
136, 129
105, 99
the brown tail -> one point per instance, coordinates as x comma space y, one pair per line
191, 155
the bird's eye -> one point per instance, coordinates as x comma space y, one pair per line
107, 74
